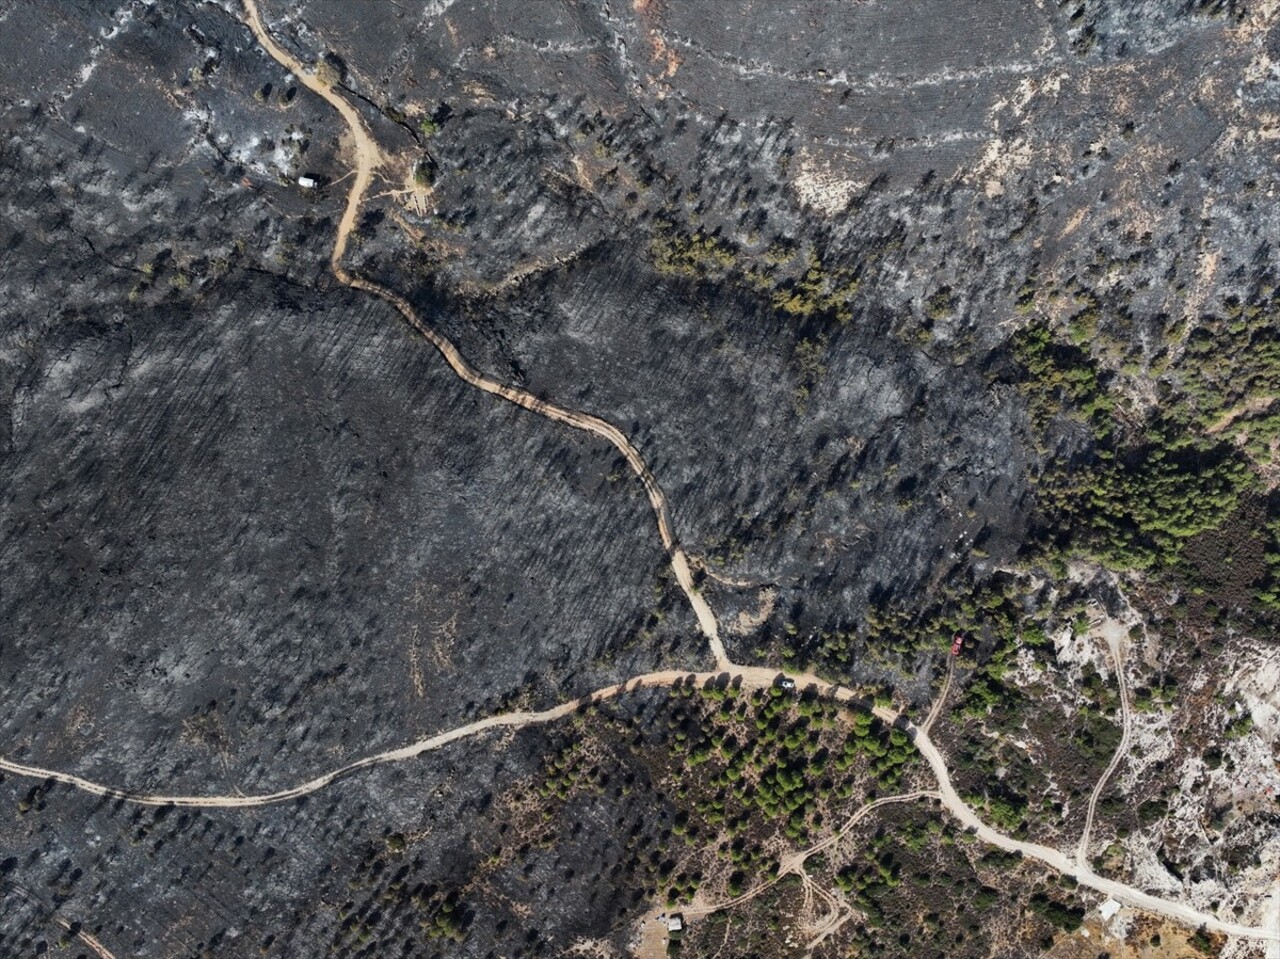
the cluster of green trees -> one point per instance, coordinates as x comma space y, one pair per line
865, 880
698, 254
1004, 808
1094, 735
1152, 811
912, 876
768, 761
389, 893
1230, 367
982, 611
1139, 494
682, 887
781, 772
1144, 699
888, 750
820, 291
1068, 918
1239, 726
1137, 507
987, 692
1269, 591
940, 304
1060, 380
570, 770
444, 919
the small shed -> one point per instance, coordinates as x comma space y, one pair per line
675, 923
308, 182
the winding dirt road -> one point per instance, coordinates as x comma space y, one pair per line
517, 720
1069, 865
793, 865
1054, 858
1112, 632
750, 678
368, 156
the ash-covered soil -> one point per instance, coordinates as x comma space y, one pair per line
252, 527
276, 542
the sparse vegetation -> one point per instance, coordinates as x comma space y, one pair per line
331, 70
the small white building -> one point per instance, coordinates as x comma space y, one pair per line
308, 183
675, 923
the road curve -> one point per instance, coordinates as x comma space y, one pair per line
794, 864
1068, 865
857, 817
367, 157
750, 678
516, 720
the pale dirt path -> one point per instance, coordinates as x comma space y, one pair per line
1068, 865
1115, 637
83, 935
836, 837
1054, 858
834, 923
516, 720
941, 698
1273, 917
838, 912
368, 155
751, 678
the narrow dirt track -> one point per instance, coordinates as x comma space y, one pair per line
368, 155
861, 814
1068, 865
941, 699
517, 720
94, 944
1114, 644
794, 866
751, 678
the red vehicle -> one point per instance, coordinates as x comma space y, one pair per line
956, 644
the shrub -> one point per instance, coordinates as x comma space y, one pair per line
331, 71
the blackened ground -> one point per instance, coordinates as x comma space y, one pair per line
284, 534
251, 528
